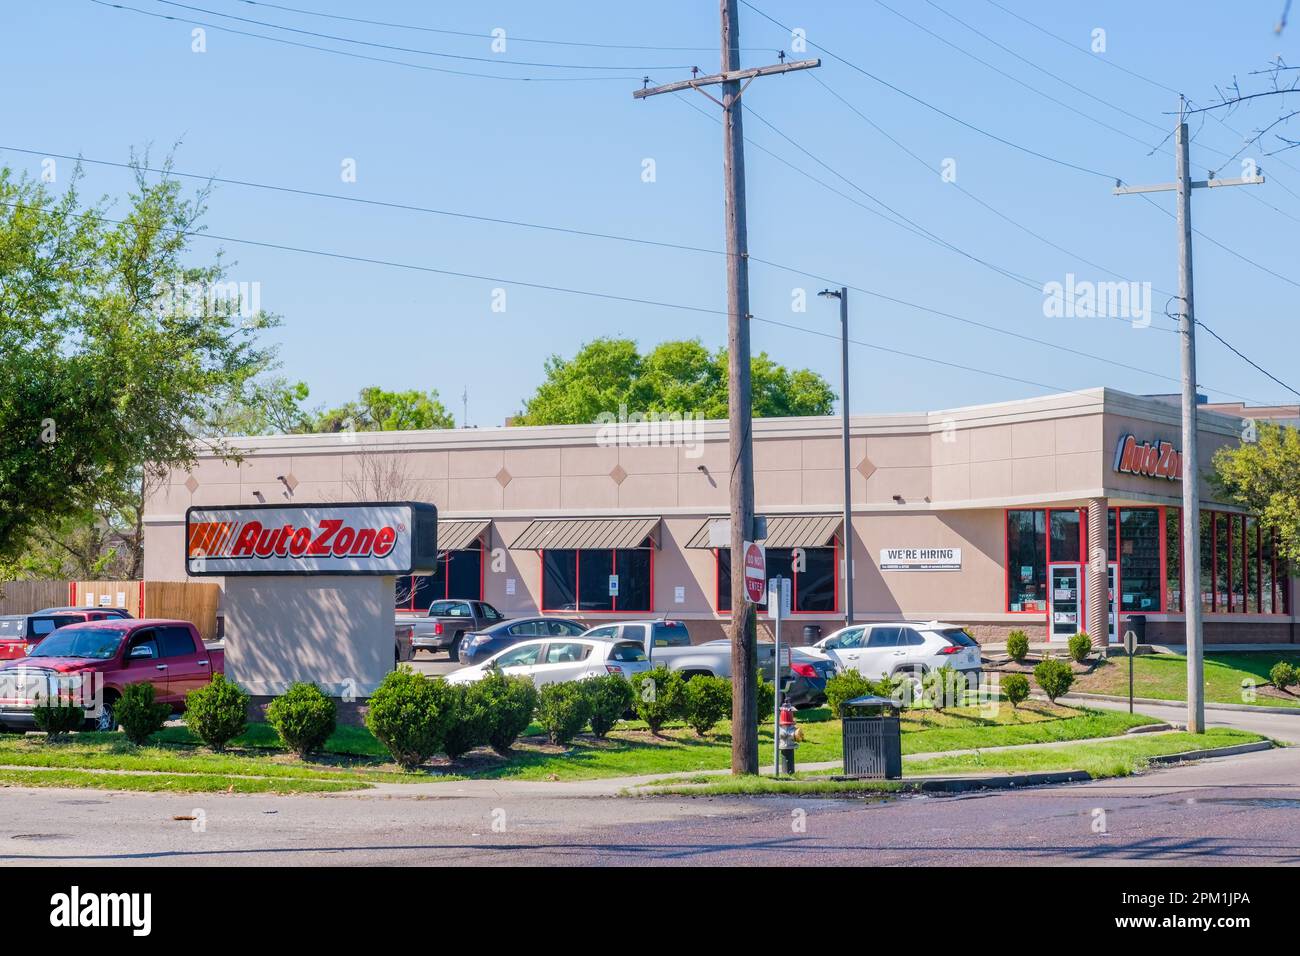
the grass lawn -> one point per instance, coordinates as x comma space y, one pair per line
354, 759
1164, 677
1101, 759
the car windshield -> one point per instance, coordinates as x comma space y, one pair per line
448, 609
94, 643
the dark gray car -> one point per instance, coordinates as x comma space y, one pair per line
478, 646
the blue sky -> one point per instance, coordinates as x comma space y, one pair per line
88, 79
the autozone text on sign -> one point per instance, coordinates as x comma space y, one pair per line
1151, 459
920, 559
322, 539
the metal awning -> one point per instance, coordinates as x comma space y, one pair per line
455, 535
583, 534
784, 531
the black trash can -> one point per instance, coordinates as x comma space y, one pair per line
812, 633
1137, 623
873, 742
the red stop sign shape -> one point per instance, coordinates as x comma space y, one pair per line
755, 573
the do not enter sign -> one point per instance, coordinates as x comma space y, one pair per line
755, 572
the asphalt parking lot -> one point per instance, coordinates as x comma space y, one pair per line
432, 664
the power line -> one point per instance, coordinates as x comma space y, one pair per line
930, 106
390, 263
1011, 77
362, 56
421, 52
1246, 358
488, 36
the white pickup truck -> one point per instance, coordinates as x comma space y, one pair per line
669, 643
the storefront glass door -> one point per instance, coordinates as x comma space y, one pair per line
1065, 601
1112, 569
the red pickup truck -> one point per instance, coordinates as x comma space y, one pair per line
102, 657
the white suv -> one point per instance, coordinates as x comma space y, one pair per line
907, 649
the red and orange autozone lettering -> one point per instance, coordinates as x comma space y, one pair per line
332, 537
1152, 460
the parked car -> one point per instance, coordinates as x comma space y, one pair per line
447, 622
19, 633
669, 643
478, 646
112, 652
103, 611
808, 676
403, 643
905, 649
552, 660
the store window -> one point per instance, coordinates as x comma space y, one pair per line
1173, 559
1027, 560
1139, 559
813, 572
574, 580
1241, 571
459, 576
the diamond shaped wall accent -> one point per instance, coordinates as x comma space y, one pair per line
192, 484
290, 482
503, 477
618, 473
866, 468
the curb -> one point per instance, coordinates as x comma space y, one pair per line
1232, 751
1005, 782
1156, 702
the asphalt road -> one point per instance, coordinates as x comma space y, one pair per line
1235, 810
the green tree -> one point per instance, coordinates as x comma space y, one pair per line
106, 372
379, 411
1264, 477
675, 376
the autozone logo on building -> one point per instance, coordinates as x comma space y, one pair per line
380, 538
329, 537
1149, 459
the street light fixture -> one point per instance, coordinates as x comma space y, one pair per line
843, 295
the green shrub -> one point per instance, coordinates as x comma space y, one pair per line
303, 718
766, 697
1018, 646
57, 718
1015, 688
610, 697
216, 713
944, 686
657, 696
510, 702
1054, 677
470, 723
409, 715
846, 685
1080, 647
706, 701
1283, 675
138, 713
563, 709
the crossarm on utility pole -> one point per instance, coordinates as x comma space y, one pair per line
731, 76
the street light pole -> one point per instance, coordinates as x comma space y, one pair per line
843, 296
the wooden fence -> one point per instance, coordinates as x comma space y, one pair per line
23, 597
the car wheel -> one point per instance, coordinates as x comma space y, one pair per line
453, 649
911, 685
107, 719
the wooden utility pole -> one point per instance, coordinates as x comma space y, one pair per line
1191, 556
744, 650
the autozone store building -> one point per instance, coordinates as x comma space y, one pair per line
979, 516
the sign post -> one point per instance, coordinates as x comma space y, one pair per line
1130, 648
778, 605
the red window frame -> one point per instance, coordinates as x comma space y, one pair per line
577, 582
794, 584
445, 560
1281, 591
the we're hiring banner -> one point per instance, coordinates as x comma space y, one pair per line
366, 538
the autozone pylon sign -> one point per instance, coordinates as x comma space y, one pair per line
369, 538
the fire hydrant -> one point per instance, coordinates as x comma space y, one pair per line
786, 742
